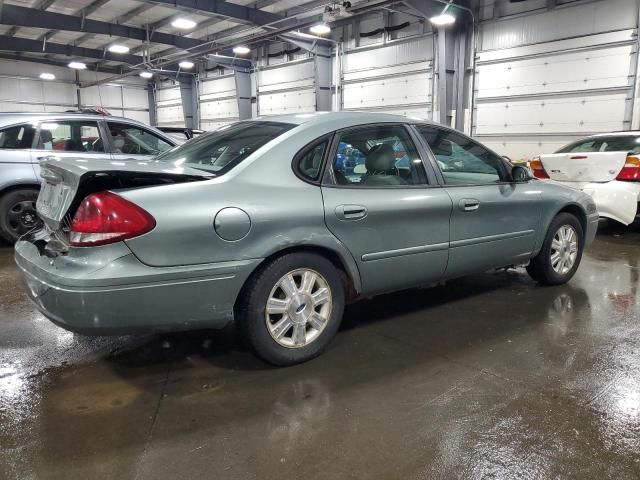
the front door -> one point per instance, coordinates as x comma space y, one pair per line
494, 220
381, 204
132, 141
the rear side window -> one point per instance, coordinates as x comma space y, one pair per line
220, 151
70, 136
18, 137
618, 143
308, 162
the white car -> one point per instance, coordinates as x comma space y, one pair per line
605, 166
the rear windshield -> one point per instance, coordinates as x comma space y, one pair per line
621, 143
218, 152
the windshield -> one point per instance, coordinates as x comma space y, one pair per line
618, 143
220, 151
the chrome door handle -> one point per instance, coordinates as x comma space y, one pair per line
351, 212
469, 204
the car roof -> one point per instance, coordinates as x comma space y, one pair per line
629, 133
10, 118
344, 119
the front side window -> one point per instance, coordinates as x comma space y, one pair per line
132, 140
70, 136
18, 137
463, 161
219, 151
380, 156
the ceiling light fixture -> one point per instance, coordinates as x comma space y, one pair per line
183, 23
241, 50
443, 19
320, 29
47, 76
146, 75
118, 48
77, 65
185, 64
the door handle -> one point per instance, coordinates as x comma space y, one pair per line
351, 212
469, 204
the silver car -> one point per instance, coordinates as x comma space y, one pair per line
276, 223
28, 138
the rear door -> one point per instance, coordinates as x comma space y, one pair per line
133, 141
65, 138
494, 220
383, 203
16, 142
595, 159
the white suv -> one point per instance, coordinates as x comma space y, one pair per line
28, 138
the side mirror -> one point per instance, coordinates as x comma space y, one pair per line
520, 174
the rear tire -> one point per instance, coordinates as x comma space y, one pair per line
18, 213
561, 252
291, 308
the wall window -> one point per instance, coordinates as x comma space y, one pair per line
308, 162
462, 160
70, 136
17, 137
380, 156
132, 140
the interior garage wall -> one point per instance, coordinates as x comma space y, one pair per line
547, 77
218, 103
22, 90
286, 88
169, 112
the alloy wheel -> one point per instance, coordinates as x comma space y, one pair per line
564, 249
298, 308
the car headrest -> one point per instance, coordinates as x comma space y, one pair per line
443, 147
45, 136
381, 158
118, 141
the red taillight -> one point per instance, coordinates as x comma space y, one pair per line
631, 170
538, 169
105, 217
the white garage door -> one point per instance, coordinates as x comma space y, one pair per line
394, 78
218, 102
288, 88
531, 98
169, 107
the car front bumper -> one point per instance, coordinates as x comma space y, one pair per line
107, 290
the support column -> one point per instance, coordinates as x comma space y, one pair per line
189, 96
243, 93
153, 108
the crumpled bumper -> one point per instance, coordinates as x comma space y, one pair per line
107, 290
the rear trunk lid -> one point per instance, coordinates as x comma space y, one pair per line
584, 166
65, 182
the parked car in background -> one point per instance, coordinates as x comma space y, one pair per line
605, 166
26, 139
181, 134
262, 223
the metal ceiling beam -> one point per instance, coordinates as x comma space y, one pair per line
88, 10
29, 17
229, 10
15, 44
120, 20
46, 61
43, 5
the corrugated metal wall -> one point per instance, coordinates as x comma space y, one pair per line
22, 90
550, 76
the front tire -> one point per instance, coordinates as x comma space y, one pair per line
18, 213
561, 252
291, 308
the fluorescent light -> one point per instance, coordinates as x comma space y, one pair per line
185, 64
241, 50
320, 29
77, 65
118, 48
443, 19
47, 76
146, 75
183, 23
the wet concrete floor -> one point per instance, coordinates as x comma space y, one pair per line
489, 376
